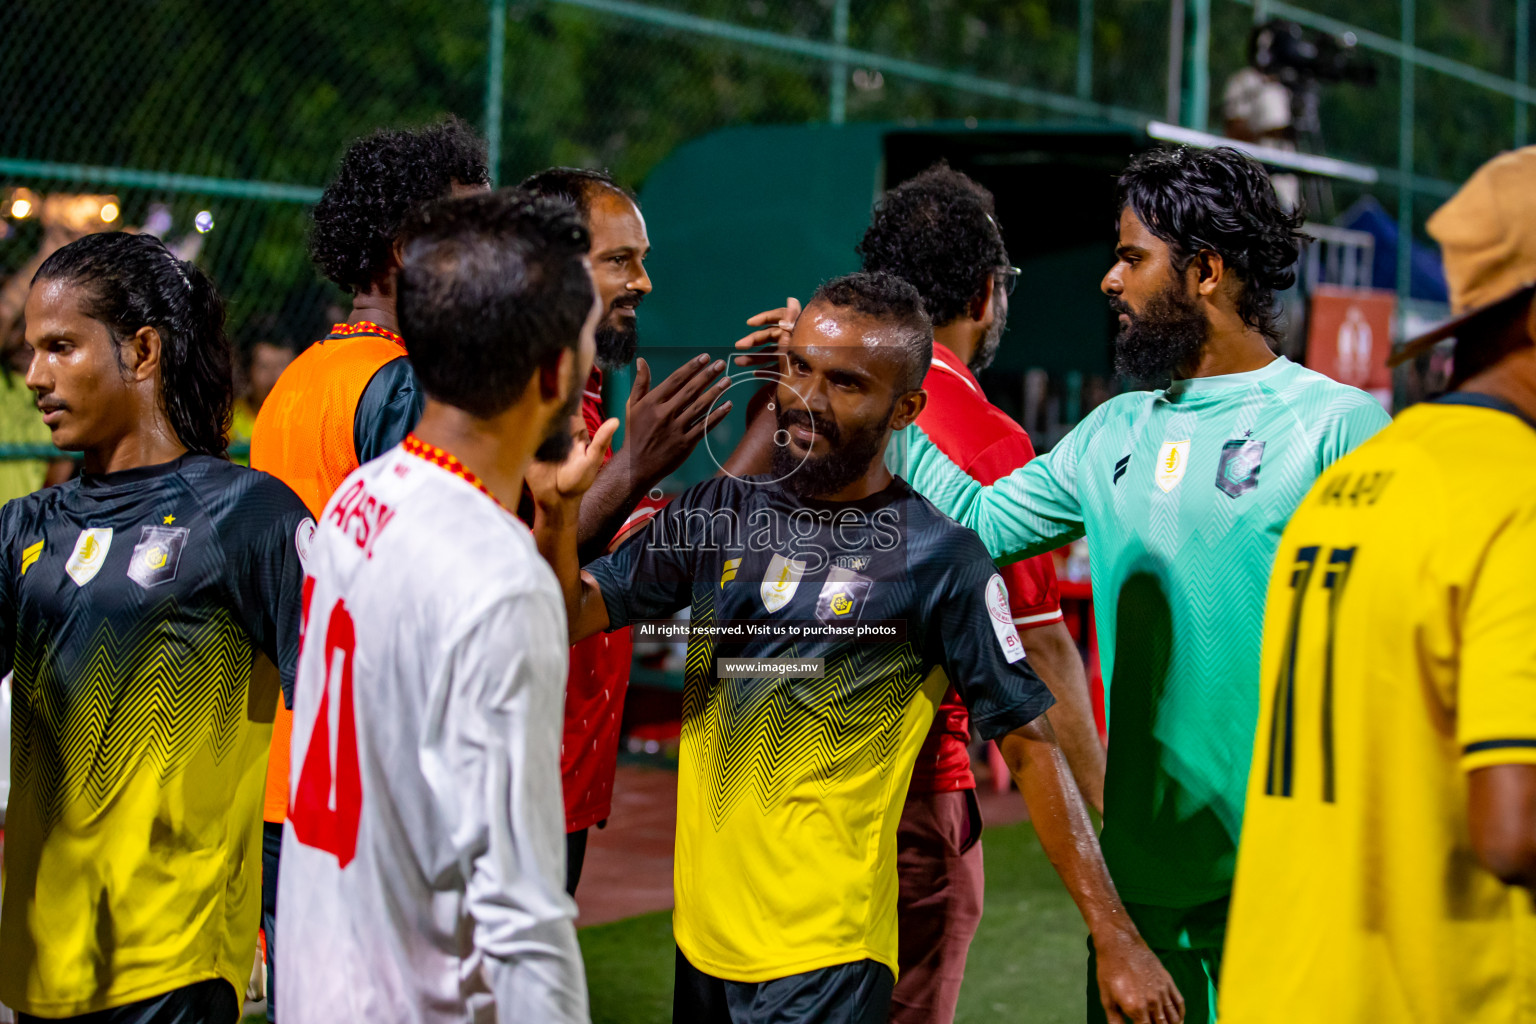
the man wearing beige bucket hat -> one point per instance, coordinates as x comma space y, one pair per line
1391, 822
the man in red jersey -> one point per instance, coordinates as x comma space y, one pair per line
662, 425
937, 232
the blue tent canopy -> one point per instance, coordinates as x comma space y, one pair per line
1427, 277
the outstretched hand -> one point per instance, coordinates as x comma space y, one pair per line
559, 483
664, 423
774, 327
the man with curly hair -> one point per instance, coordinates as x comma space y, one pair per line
937, 232
1182, 493
352, 396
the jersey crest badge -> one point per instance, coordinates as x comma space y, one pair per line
156, 555
90, 552
781, 581
1002, 619
1170, 464
1238, 471
841, 596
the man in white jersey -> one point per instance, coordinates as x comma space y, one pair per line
424, 853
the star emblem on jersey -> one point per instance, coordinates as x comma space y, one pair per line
90, 552
1002, 619
781, 581
1238, 471
841, 594
156, 555
1171, 459
168, 520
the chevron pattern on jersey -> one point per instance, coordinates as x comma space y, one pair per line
762, 736
1179, 582
697, 666
85, 719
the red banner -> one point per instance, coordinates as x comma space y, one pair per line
1350, 335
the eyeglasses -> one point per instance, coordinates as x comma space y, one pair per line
1008, 279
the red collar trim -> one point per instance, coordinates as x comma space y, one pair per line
946, 360
365, 327
441, 459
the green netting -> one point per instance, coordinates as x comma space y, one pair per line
268, 92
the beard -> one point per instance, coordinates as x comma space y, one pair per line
616, 345
987, 350
1164, 337
557, 443
848, 460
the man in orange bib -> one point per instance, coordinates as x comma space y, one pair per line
352, 395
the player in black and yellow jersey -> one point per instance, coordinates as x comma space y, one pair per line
791, 779
1389, 851
150, 613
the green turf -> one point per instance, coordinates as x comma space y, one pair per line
1028, 958
1026, 964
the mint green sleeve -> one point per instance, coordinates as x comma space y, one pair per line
1357, 420
1032, 510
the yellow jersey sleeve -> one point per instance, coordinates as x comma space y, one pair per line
1496, 703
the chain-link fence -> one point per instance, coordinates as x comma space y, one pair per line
149, 112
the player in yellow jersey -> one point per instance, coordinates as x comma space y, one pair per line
1390, 839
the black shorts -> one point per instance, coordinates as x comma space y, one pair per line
212, 1001
856, 993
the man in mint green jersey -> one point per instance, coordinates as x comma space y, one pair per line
1183, 493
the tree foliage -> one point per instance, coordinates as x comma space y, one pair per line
272, 90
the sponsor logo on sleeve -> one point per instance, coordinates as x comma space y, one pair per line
156, 555
90, 552
303, 539
1002, 619
1171, 459
781, 581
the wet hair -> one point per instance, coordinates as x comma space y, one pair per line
493, 287
1220, 200
134, 281
937, 232
380, 180
889, 300
577, 186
